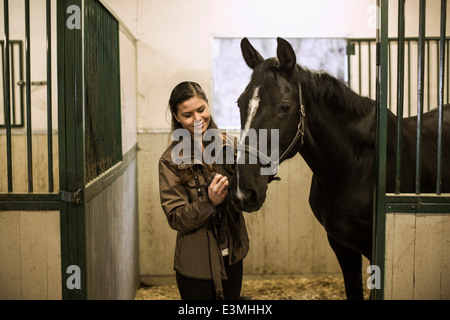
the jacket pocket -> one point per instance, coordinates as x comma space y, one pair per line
193, 255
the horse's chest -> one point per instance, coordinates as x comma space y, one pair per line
349, 207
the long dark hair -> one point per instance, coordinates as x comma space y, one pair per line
184, 91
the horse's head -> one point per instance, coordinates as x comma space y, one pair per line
270, 108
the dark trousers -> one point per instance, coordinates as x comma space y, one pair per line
197, 289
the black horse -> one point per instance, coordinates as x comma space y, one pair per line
335, 134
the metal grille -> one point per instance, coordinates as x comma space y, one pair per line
362, 71
17, 104
425, 92
102, 90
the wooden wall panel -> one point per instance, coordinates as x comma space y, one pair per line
19, 163
30, 255
427, 257
417, 256
3, 165
445, 277
10, 255
20, 167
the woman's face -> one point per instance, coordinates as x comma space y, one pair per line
193, 114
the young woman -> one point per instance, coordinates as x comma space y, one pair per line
212, 238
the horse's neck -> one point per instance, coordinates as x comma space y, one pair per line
336, 136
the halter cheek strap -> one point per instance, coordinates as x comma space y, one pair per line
300, 134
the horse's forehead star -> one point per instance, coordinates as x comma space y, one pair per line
252, 108
253, 105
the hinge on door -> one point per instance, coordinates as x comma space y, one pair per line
72, 197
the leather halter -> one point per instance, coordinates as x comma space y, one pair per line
298, 135
300, 127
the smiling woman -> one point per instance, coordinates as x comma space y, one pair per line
193, 114
212, 238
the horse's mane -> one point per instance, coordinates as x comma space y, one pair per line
320, 85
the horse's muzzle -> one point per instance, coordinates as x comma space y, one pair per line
248, 200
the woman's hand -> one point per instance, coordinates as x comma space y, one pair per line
218, 189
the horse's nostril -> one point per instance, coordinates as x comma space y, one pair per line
252, 196
245, 199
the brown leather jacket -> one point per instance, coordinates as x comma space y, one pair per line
189, 211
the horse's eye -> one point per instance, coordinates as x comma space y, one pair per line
285, 108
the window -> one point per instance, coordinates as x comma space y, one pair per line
231, 74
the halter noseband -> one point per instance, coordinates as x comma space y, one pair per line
298, 135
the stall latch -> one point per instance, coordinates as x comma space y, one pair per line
72, 197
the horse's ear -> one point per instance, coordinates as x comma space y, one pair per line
286, 54
251, 56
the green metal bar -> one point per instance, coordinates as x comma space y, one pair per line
379, 222
370, 69
29, 201
64, 229
394, 39
28, 95
49, 97
106, 102
448, 71
13, 81
7, 105
441, 95
437, 67
22, 116
400, 91
427, 81
417, 203
420, 94
78, 218
409, 78
359, 68
71, 146
2, 125
117, 126
389, 77
348, 64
